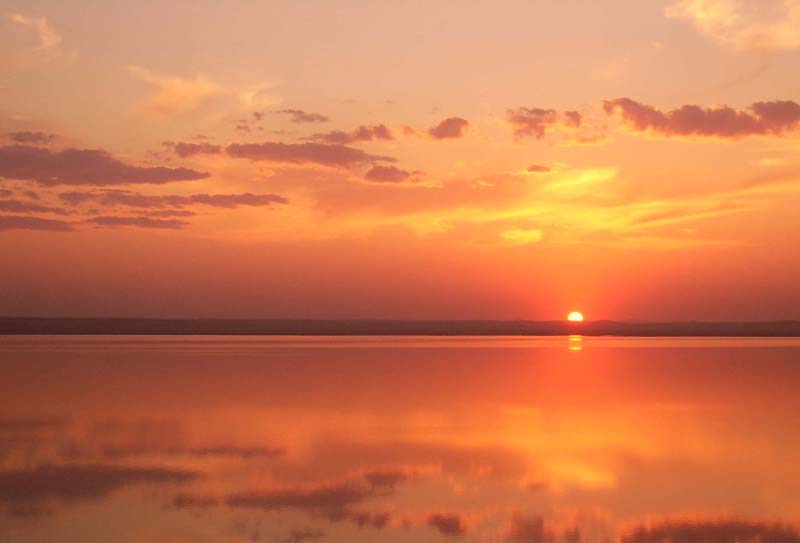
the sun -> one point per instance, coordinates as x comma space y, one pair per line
575, 316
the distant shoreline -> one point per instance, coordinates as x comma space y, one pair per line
376, 327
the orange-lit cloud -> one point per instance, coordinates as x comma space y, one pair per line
49, 39
743, 24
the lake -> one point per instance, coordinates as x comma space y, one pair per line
301, 439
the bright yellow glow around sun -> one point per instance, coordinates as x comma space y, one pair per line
575, 316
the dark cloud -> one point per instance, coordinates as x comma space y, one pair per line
184, 149
33, 195
258, 115
301, 536
362, 133
538, 168
365, 519
134, 199
573, 119
447, 524
21, 222
19, 206
33, 424
304, 153
41, 138
762, 118
450, 128
531, 122
5, 193
528, 530
220, 451
80, 482
387, 174
386, 479
300, 116
164, 213
191, 501
331, 500
108, 221
713, 531
83, 167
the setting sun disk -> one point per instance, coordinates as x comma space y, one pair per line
575, 316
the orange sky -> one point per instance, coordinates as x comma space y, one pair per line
415, 160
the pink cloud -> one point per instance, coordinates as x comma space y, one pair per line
20, 222
304, 153
362, 133
134, 199
531, 122
450, 128
387, 174
300, 116
538, 168
137, 222
83, 167
761, 118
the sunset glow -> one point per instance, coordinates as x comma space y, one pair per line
253, 159
316, 271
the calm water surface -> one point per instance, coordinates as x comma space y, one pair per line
220, 439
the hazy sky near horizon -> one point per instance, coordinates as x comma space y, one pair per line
410, 159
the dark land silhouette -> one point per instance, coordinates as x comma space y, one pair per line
373, 327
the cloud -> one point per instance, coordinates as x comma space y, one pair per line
20, 222
300, 116
387, 174
49, 39
19, 206
304, 153
362, 133
81, 482
573, 119
761, 118
185, 501
330, 499
531, 122
177, 95
528, 530
365, 519
450, 128
41, 138
447, 524
386, 479
219, 451
743, 24
171, 213
135, 199
83, 167
711, 531
538, 168
521, 236
301, 536
138, 222
33, 424
183, 149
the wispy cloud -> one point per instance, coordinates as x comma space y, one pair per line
49, 39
